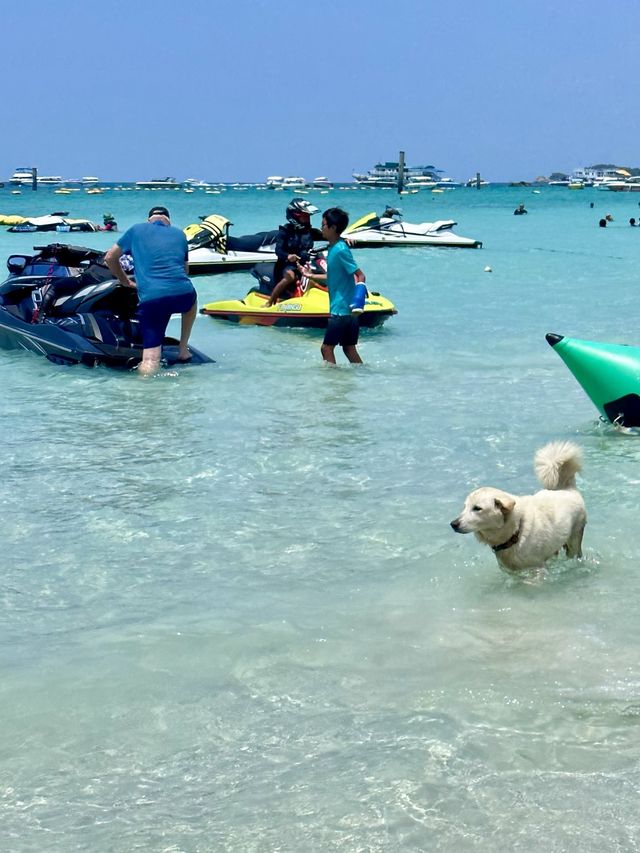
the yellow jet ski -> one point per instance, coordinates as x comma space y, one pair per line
309, 309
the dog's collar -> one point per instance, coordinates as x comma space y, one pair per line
508, 544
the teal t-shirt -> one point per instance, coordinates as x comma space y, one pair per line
159, 254
340, 282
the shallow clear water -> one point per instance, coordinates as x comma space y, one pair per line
234, 614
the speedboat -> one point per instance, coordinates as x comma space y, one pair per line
389, 229
158, 184
64, 304
54, 222
608, 373
309, 308
213, 250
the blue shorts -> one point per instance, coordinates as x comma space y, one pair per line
342, 330
154, 316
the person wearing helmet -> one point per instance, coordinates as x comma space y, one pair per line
293, 244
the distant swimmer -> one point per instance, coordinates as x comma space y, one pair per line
609, 217
591, 205
520, 210
632, 222
603, 223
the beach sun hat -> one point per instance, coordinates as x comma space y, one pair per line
159, 211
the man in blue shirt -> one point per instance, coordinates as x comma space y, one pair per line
343, 272
160, 257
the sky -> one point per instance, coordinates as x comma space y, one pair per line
242, 89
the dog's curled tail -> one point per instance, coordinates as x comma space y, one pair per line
557, 463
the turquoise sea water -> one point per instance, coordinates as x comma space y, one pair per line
234, 615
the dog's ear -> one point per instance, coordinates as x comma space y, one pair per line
505, 503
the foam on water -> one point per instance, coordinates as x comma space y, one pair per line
234, 614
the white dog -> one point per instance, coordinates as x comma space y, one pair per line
524, 532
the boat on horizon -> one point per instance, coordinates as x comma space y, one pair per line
294, 183
626, 185
158, 184
387, 175
322, 183
21, 177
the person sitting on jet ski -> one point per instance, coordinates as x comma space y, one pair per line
293, 244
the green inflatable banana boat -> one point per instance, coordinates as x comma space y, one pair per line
609, 373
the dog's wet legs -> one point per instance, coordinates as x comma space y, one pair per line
574, 545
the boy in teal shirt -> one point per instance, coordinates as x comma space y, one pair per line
343, 327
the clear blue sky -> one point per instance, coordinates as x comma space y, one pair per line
241, 89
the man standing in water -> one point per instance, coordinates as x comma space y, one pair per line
160, 257
343, 327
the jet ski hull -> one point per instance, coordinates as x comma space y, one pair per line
375, 240
210, 262
310, 310
62, 347
63, 303
608, 373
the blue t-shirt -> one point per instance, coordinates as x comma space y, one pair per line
159, 254
340, 282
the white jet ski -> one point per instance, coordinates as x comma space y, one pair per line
53, 222
213, 250
389, 229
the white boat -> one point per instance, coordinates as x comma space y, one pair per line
596, 175
629, 185
21, 177
50, 180
389, 229
89, 179
196, 183
322, 183
294, 183
274, 182
158, 184
420, 182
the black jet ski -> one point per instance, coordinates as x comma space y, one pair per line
213, 250
63, 303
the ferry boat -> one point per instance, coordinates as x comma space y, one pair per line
22, 176
386, 174
50, 180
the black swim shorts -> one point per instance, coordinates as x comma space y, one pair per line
342, 330
154, 316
